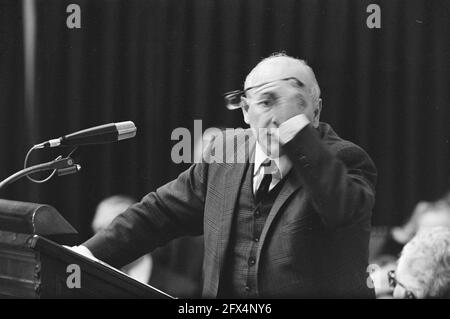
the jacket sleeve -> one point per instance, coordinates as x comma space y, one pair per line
173, 210
341, 181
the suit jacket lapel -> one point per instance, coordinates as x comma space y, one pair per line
234, 176
292, 184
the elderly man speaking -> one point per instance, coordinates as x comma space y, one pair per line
292, 220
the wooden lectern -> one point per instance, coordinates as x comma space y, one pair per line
32, 266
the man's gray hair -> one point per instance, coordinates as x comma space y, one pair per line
314, 89
427, 257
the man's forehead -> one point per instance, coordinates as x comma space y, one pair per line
276, 69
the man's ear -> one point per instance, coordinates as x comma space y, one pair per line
245, 114
317, 111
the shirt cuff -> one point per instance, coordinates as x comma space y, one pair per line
290, 128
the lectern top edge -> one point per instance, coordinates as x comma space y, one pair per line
32, 218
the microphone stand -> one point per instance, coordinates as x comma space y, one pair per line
63, 166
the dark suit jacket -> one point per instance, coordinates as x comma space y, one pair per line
315, 240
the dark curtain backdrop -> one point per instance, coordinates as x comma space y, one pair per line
163, 64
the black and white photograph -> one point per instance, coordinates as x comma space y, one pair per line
221, 156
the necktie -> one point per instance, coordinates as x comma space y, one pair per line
263, 189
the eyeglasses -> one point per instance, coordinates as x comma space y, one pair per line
233, 99
393, 282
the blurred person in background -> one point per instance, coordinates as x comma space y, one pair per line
106, 211
423, 270
426, 215
177, 267
174, 268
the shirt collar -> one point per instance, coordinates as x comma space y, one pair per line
283, 163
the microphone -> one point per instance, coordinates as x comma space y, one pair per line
101, 134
